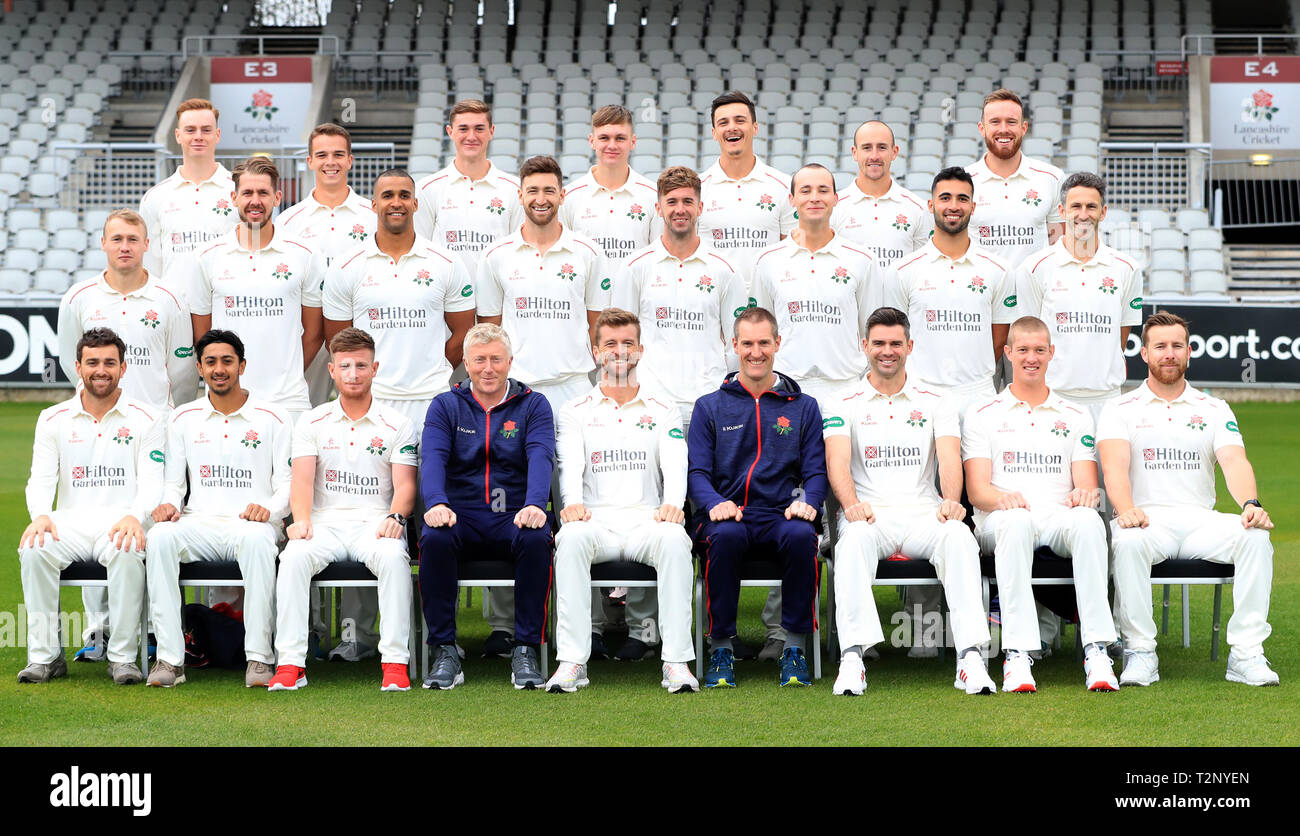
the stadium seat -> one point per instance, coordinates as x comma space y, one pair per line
1165, 282
1204, 260
1190, 219
1210, 282
1168, 260
13, 281
1207, 238
51, 281
1166, 239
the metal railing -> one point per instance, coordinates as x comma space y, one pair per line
203, 41
1164, 175
1195, 44
110, 175
1147, 73
1248, 194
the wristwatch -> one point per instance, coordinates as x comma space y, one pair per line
1254, 502
401, 520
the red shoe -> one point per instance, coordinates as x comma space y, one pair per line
288, 678
395, 678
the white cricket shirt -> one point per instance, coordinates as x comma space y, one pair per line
1084, 304
743, 217
231, 460
686, 310
465, 215
1031, 448
112, 463
152, 321
889, 226
621, 221
182, 217
821, 300
1172, 444
629, 456
403, 305
334, 230
543, 300
953, 305
260, 294
354, 459
892, 439
1012, 213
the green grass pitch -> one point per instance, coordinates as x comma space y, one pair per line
908, 702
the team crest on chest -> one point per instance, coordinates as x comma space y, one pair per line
647, 422
1031, 198
1196, 423
1108, 286
901, 223
282, 272
150, 318
766, 202
250, 439
358, 233
636, 212
841, 275
1061, 429
376, 446
567, 272
509, 429
916, 419
783, 425
422, 277
495, 206
977, 285
124, 436
705, 284
222, 208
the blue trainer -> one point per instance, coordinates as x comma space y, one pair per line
722, 669
95, 651
794, 669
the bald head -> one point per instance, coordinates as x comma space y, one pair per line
874, 126
874, 150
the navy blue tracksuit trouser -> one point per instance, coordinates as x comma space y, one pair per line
486, 535
759, 535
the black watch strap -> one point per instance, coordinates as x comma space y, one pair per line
1254, 502
401, 520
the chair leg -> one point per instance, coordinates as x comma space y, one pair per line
413, 634
1187, 616
816, 638
1164, 613
144, 633
1214, 633
699, 628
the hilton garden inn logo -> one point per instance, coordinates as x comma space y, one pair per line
75, 788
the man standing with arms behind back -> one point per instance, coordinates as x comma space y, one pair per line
875, 210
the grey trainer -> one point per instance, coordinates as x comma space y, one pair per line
446, 673
38, 672
258, 674
165, 675
125, 673
525, 673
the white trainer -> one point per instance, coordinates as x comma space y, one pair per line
1141, 667
1099, 669
1250, 670
852, 679
1016, 677
678, 679
569, 677
973, 675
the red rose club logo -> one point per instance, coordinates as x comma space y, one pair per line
331, 476
261, 108
205, 471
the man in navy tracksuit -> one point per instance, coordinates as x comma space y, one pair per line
486, 460
757, 479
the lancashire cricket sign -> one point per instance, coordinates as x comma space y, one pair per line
263, 101
1255, 103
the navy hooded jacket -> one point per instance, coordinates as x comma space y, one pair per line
470, 456
763, 452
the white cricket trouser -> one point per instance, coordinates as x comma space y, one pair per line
338, 540
212, 538
1193, 533
1076, 533
917, 533
631, 534
83, 536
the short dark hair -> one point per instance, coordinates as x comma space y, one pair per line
1163, 319
678, 177
611, 115
351, 339
617, 318
814, 165
953, 172
217, 335
1002, 94
889, 317
733, 97
1087, 180
541, 164
100, 337
329, 129
754, 314
257, 165
393, 172
469, 106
